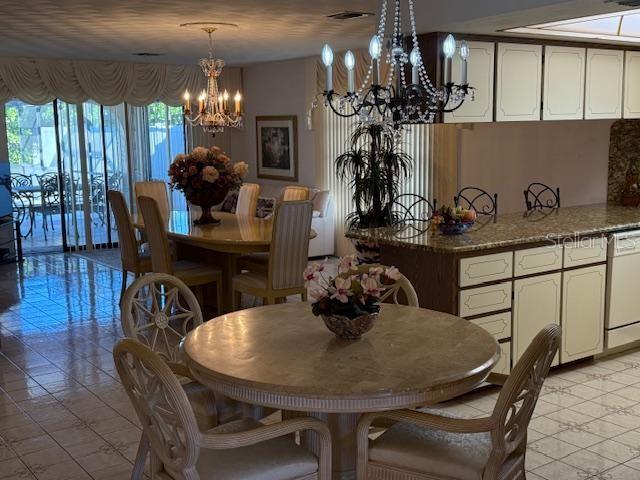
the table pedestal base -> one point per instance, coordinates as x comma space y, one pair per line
343, 439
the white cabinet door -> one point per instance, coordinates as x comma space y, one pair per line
481, 73
603, 97
563, 83
536, 303
582, 312
504, 364
519, 82
632, 85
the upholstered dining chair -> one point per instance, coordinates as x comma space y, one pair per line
400, 290
193, 274
159, 310
157, 190
539, 196
425, 445
244, 449
248, 199
294, 193
131, 258
286, 261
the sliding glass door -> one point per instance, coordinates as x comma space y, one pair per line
71, 155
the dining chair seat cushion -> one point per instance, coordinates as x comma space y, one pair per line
254, 262
193, 273
250, 280
433, 452
269, 460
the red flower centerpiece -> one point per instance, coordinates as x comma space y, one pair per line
206, 176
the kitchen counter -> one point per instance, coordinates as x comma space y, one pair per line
513, 229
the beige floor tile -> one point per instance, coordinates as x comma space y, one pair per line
630, 393
13, 469
68, 470
603, 428
31, 445
45, 458
621, 472
558, 470
578, 437
630, 439
586, 460
74, 435
615, 451
535, 460
553, 448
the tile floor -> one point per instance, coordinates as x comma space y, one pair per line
63, 414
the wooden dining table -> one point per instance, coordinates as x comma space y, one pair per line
221, 244
283, 357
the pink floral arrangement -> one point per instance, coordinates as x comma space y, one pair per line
205, 169
354, 292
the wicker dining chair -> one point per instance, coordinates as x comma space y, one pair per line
193, 274
131, 258
157, 190
248, 199
294, 193
401, 291
430, 446
244, 449
159, 310
286, 261
539, 196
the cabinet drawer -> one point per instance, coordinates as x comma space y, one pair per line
537, 260
584, 252
487, 268
478, 301
504, 364
498, 325
622, 336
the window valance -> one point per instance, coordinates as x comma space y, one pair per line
38, 81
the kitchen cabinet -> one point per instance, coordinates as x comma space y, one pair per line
564, 71
481, 74
604, 80
632, 85
519, 82
583, 294
536, 303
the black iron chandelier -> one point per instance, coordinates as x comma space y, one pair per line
396, 101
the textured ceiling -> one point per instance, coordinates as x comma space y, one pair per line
269, 29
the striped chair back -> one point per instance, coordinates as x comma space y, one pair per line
157, 190
248, 199
290, 244
156, 230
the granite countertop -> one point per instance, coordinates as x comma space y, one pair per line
513, 229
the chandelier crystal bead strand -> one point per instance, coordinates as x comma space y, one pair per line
396, 102
213, 112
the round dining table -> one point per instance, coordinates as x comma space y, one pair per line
283, 357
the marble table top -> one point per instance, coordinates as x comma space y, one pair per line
283, 356
514, 229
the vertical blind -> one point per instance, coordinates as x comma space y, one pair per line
335, 133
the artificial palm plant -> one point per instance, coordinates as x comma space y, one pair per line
374, 167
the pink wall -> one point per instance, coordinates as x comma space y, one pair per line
506, 157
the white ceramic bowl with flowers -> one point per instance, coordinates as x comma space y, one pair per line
348, 303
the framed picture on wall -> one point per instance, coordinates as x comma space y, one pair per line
277, 142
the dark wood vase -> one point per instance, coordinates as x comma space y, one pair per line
207, 199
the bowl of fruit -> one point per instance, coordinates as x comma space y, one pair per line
453, 221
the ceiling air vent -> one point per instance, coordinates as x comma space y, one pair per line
626, 3
349, 15
148, 54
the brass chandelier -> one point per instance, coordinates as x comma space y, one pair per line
214, 112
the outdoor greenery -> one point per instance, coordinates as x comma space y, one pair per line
23, 130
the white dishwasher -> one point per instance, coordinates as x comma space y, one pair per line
622, 323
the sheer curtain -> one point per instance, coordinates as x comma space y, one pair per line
333, 135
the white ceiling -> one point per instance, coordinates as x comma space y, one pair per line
269, 29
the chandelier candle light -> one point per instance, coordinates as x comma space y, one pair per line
213, 113
397, 102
